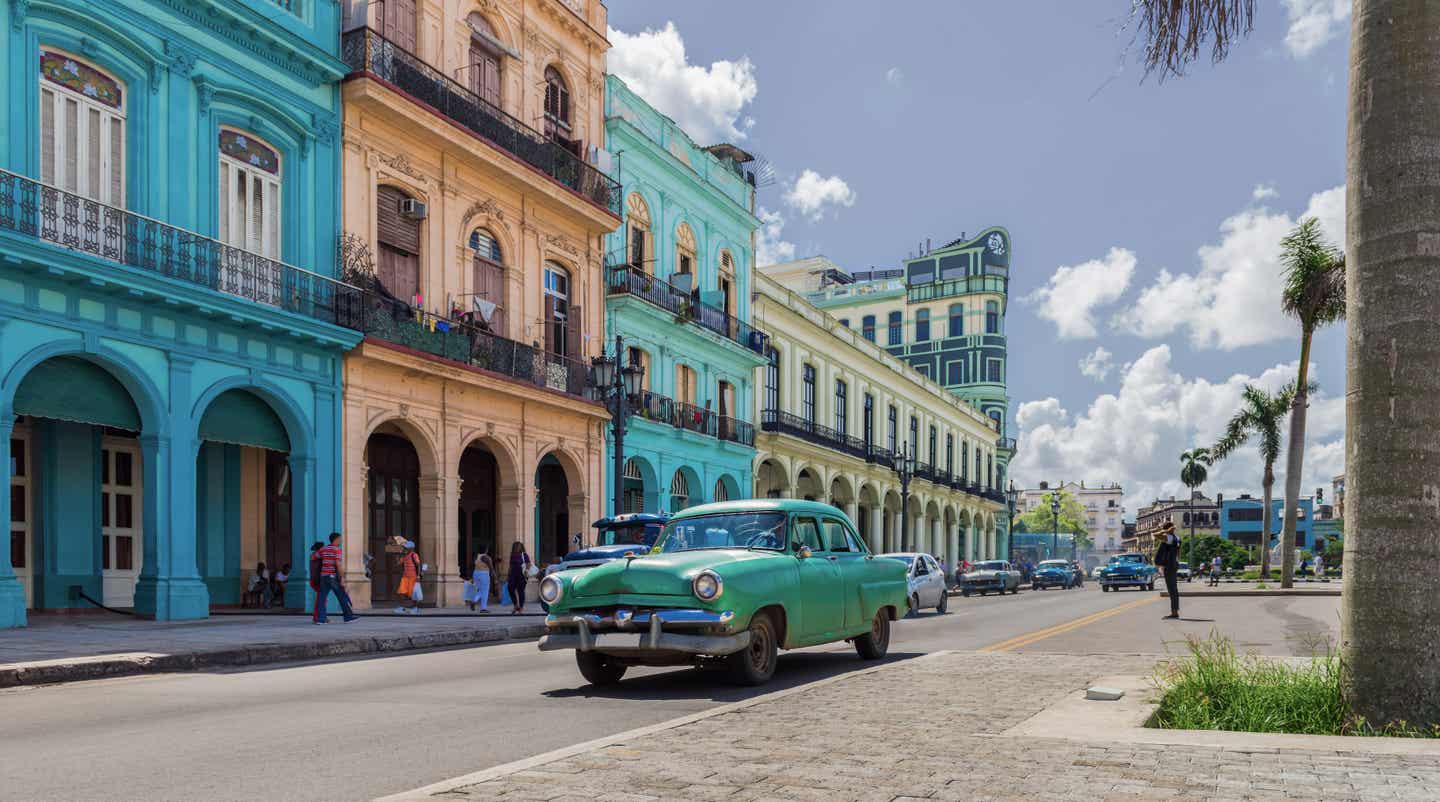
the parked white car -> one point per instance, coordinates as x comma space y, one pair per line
927, 581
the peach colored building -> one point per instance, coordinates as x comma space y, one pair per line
474, 217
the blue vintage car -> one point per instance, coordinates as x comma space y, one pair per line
615, 536
1053, 574
1128, 571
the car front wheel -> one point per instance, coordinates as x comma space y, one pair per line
598, 669
874, 644
944, 602
755, 664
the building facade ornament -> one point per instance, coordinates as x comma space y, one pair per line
400, 164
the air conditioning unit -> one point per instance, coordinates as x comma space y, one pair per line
413, 209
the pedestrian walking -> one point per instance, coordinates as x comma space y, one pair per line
410, 592
1167, 556
520, 568
480, 583
315, 578
1319, 566
331, 558
1217, 566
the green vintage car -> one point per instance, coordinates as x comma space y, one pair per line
733, 581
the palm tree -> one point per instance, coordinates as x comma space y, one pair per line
1388, 628
1259, 417
1314, 294
1193, 473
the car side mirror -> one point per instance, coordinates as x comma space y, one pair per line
803, 552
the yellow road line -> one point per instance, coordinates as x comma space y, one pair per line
1038, 635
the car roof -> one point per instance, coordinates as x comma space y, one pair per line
786, 505
632, 518
909, 555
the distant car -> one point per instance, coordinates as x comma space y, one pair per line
990, 576
615, 536
1128, 571
1052, 574
927, 581
1184, 572
1095, 572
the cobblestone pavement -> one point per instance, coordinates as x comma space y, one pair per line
929, 729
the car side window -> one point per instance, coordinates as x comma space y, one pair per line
807, 533
920, 569
835, 536
855, 544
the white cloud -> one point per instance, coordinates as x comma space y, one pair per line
1073, 294
895, 76
812, 193
1097, 364
705, 101
1313, 23
1263, 192
1233, 300
1135, 436
769, 247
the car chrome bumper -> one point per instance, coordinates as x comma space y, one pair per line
638, 632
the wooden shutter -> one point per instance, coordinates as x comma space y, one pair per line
637, 248
574, 333
399, 272
393, 229
400, 23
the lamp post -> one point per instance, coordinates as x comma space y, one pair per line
905, 466
1012, 498
617, 383
1055, 516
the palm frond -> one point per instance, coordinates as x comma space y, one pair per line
1177, 30
1313, 271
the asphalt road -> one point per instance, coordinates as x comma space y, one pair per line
357, 729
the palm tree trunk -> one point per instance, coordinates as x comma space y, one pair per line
1390, 624
1294, 464
1268, 486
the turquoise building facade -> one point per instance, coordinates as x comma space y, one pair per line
678, 293
171, 334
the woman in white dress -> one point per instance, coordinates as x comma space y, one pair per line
479, 592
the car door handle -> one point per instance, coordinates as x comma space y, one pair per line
832, 558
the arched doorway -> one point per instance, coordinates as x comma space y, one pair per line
393, 506
684, 490
807, 485
479, 508
639, 495
552, 511
726, 489
770, 481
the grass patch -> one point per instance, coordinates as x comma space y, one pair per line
1214, 688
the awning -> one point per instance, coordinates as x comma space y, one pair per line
69, 388
242, 418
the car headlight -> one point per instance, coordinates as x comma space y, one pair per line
707, 585
551, 589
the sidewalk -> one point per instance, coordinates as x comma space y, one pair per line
61, 648
936, 728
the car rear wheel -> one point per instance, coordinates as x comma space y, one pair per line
1150, 586
755, 664
965, 592
598, 669
944, 602
1013, 590
912, 606
874, 644
1105, 588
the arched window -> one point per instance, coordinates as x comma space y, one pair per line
722, 493
638, 225
399, 240
488, 269
634, 499
992, 317
557, 110
725, 283
957, 320
485, 59
922, 325
679, 492
772, 380
684, 257
82, 129
249, 208
867, 327
562, 319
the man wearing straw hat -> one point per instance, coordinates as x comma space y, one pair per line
1167, 556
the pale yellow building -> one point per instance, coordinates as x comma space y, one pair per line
475, 215
836, 412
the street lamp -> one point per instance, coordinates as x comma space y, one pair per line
617, 384
905, 466
1055, 516
1012, 498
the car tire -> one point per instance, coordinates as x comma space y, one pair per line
965, 592
912, 606
755, 664
874, 644
1105, 588
944, 604
598, 669
1151, 585
1036, 587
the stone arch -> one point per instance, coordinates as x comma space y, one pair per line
772, 477
149, 401
297, 425
684, 477
809, 483
841, 491
573, 466
423, 443
730, 487
506, 459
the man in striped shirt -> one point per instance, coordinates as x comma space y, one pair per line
330, 560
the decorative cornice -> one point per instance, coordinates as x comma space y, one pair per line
258, 37
487, 207
400, 164
325, 126
182, 59
562, 243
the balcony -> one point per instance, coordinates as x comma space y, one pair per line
47, 214
935, 290
368, 53
774, 420
1006, 444
627, 280
656, 407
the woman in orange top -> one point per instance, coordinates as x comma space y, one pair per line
409, 581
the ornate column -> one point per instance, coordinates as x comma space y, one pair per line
434, 541
169, 588
298, 595
933, 545
877, 529
952, 546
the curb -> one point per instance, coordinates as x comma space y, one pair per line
48, 673
1238, 593
506, 769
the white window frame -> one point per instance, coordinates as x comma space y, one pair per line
237, 226
117, 588
54, 144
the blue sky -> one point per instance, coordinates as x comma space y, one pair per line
1145, 216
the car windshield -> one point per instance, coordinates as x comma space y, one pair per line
637, 533
735, 530
989, 566
1127, 558
1054, 564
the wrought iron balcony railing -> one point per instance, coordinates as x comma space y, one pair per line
367, 52
883, 457
48, 214
934, 290
774, 420
383, 317
656, 407
627, 280
1006, 444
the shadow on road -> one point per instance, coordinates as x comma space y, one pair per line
711, 683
